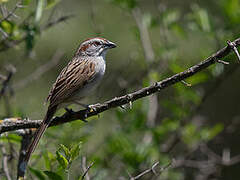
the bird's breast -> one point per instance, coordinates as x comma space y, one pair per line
100, 67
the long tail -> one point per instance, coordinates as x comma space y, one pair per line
45, 123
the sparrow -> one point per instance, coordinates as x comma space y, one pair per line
81, 76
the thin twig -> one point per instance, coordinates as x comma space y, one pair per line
152, 169
40, 71
85, 174
12, 12
232, 45
59, 20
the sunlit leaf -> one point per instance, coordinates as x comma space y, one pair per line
7, 26
62, 160
65, 150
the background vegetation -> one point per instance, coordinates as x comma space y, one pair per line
194, 129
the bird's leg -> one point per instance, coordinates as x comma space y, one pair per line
70, 111
90, 108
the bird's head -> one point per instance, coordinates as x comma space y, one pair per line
95, 47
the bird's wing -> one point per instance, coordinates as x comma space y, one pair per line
72, 78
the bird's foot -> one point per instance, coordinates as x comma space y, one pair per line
91, 109
70, 111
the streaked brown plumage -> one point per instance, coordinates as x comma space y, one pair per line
74, 76
82, 74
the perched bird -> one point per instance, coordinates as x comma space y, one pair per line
82, 74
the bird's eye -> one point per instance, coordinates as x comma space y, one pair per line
97, 43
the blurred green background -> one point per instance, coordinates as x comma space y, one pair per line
195, 128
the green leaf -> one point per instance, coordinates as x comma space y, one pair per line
75, 151
62, 160
65, 150
7, 26
52, 175
39, 10
37, 173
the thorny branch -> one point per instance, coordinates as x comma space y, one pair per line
152, 169
8, 125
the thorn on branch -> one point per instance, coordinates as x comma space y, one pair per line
232, 45
122, 107
129, 98
223, 62
130, 104
186, 83
120, 101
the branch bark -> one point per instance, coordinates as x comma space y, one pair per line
9, 125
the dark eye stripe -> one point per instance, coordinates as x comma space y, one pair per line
97, 43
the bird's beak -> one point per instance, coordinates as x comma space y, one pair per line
110, 45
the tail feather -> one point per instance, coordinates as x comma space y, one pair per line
45, 123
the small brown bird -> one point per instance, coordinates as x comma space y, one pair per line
82, 74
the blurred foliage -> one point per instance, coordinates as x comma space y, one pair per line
120, 141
